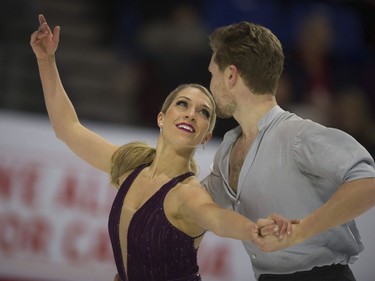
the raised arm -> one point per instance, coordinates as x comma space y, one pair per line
86, 144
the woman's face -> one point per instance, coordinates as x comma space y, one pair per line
188, 118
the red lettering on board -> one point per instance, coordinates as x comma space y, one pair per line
84, 194
89, 196
10, 225
72, 243
30, 177
214, 262
82, 243
102, 249
24, 235
5, 182
24, 178
68, 190
37, 236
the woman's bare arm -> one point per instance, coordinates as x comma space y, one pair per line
198, 207
88, 145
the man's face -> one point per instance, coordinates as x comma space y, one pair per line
225, 104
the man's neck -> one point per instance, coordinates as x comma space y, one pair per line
250, 111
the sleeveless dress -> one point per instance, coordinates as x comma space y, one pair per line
156, 250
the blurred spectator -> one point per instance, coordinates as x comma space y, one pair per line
322, 59
143, 49
284, 93
265, 12
310, 66
19, 86
175, 50
353, 114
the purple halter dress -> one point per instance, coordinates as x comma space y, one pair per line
157, 251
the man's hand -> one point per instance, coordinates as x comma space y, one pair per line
276, 225
271, 243
275, 232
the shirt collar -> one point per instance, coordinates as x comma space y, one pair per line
263, 123
268, 118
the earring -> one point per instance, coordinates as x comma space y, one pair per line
161, 127
204, 148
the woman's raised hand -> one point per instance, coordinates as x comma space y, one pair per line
43, 41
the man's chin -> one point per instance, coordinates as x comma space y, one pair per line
223, 115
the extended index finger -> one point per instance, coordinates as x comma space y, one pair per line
43, 24
42, 19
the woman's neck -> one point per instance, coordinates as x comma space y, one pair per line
169, 164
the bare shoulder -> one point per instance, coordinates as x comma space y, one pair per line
123, 177
191, 189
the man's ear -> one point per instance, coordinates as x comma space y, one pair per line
231, 73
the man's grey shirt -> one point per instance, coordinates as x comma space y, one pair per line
292, 167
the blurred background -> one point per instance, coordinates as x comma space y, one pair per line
119, 59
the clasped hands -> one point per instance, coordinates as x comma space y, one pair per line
275, 233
